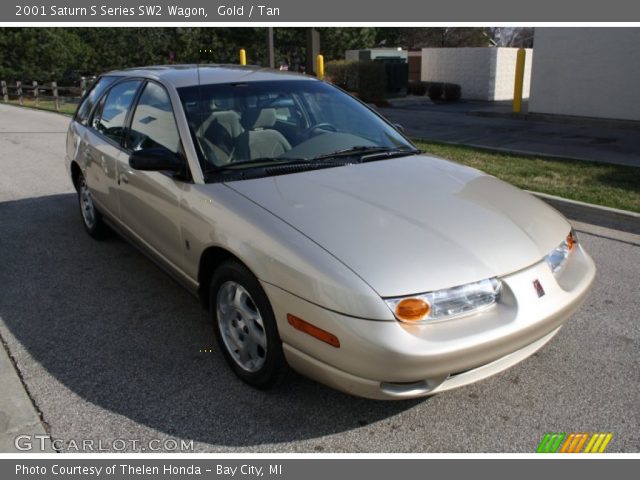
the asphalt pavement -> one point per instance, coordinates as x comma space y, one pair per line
108, 347
488, 125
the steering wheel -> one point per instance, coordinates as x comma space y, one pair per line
319, 128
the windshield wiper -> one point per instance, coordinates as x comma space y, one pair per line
267, 166
391, 153
369, 151
258, 162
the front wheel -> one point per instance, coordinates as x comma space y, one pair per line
91, 218
245, 325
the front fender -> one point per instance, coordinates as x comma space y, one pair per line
274, 251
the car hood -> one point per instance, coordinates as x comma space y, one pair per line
413, 224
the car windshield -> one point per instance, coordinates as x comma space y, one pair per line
243, 125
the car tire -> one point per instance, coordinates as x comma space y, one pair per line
91, 217
245, 326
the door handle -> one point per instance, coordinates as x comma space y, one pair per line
124, 178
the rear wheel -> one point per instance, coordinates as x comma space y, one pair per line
91, 218
245, 326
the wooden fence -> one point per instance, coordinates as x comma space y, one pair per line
35, 93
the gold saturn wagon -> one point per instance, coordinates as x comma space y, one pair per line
316, 234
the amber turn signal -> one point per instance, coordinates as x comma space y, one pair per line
312, 330
412, 310
570, 240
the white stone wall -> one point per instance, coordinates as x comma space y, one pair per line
505, 73
590, 72
483, 73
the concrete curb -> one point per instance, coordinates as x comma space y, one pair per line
522, 153
552, 118
18, 414
602, 208
613, 220
608, 233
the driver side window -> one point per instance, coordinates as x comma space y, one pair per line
153, 124
111, 114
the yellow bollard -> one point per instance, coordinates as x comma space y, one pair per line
517, 87
320, 67
243, 57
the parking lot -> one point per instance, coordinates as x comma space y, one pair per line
109, 347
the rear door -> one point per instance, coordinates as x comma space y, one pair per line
103, 149
79, 135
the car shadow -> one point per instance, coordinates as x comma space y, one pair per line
110, 326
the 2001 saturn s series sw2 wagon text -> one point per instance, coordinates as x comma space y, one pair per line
317, 235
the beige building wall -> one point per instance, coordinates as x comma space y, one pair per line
483, 73
505, 68
590, 72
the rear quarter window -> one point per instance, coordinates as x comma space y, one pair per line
84, 110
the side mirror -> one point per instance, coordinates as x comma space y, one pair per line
399, 127
154, 159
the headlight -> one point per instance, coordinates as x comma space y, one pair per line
447, 303
559, 255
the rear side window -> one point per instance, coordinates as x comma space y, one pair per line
153, 123
82, 115
112, 114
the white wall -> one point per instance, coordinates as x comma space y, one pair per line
505, 68
591, 72
483, 73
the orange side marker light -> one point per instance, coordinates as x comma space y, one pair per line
314, 331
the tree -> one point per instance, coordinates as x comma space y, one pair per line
40, 54
510, 36
336, 40
413, 38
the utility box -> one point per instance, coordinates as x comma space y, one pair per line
379, 54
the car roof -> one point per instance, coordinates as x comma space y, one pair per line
205, 74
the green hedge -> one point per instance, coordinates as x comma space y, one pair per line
452, 92
368, 80
437, 91
417, 88
449, 92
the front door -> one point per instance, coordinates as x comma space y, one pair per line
150, 201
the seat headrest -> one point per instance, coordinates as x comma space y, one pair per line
230, 120
259, 118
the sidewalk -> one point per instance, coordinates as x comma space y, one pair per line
489, 125
17, 413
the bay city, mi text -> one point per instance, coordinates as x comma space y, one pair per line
164, 469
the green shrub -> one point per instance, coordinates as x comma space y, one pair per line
435, 91
367, 79
343, 73
452, 92
418, 88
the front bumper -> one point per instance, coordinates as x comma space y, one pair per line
393, 360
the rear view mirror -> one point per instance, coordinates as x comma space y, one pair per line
399, 127
154, 159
